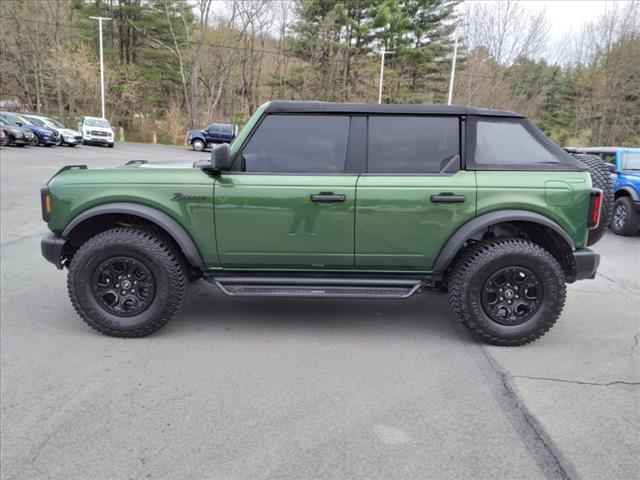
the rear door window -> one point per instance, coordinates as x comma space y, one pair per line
413, 145
298, 144
508, 142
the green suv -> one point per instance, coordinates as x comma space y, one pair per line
337, 200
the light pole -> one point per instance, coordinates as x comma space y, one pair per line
382, 53
453, 67
100, 19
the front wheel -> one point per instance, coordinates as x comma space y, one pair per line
626, 220
127, 282
198, 145
507, 291
111, 145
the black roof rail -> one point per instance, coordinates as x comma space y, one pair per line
136, 162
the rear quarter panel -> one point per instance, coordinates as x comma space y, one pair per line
559, 195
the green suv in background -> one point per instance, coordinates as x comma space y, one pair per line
338, 200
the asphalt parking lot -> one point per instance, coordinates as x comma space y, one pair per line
304, 389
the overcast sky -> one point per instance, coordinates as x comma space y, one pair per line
568, 16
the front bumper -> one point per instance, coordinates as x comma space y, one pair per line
51, 247
636, 205
586, 262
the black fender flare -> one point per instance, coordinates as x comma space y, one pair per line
161, 219
472, 227
198, 136
630, 191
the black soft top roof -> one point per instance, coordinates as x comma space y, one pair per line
280, 106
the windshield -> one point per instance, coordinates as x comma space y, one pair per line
35, 121
52, 122
97, 122
630, 160
12, 120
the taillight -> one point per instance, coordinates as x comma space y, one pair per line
45, 201
595, 208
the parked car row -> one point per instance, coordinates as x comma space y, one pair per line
20, 129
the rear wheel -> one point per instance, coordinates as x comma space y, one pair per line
626, 220
127, 282
507, 291
198, 145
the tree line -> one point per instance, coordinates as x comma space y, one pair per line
175, 64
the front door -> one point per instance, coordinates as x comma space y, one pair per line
287, 203
414, 195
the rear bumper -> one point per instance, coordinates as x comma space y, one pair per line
51, 247
586, 262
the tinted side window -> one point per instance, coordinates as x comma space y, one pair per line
298, 144
403, 144
508, 143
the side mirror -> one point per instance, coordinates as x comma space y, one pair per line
221, 157
220, 160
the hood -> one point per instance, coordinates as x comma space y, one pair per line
69, 132
147, 164
632, 175
40, 130
98, 129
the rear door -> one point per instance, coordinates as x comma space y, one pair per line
414, 195
288, 203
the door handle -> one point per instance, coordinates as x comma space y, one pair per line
327, 197
444, 198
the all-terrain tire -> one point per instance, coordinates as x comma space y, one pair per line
626, 219
600, 178
478, 263
156, 252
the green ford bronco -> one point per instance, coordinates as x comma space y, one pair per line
338, 200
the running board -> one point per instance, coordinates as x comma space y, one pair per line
317, 287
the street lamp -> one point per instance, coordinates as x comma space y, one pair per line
100, 19
453, 67
382, 53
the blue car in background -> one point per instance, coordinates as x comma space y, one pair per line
626, 186
214, 133
42, 135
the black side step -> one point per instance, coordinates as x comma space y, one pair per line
317, 287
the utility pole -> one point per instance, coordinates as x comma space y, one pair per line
453, 67
100, 19
382, 53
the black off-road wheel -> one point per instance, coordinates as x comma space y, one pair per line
127, 282
626, 220
600, 178
507, 292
